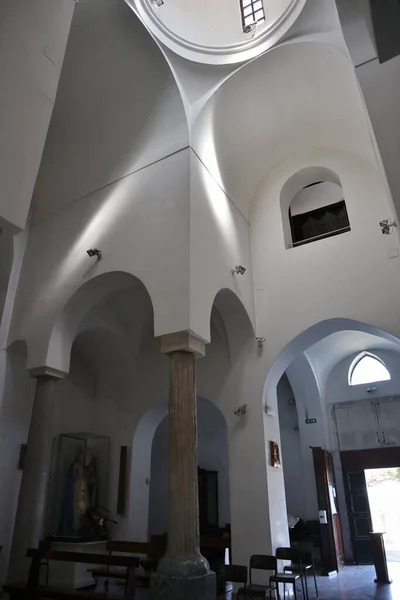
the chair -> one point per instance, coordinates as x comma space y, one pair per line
259, 562
294, 555
306, 549
234, 574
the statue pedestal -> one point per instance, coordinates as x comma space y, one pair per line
73, 575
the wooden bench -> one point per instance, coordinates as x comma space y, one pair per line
33, 590
152, 551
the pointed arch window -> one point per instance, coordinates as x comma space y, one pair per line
367, 368
252, 12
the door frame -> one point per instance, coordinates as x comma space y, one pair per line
324, 477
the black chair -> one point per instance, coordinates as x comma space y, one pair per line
234, 574
307, 560
294, 555
260, 562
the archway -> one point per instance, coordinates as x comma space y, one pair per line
213, 464
308, 380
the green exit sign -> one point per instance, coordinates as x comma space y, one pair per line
310, 421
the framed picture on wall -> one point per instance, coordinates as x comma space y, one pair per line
275, 455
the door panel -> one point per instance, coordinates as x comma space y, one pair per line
331, 533
351, 435
359, 515
388, 412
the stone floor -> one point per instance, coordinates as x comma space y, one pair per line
352, 583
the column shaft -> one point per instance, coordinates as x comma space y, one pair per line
183, 509
29, 520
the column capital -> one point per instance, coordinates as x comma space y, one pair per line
45, 371
183, 341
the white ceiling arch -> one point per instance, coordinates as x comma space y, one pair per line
241, 137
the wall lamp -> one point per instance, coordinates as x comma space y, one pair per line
387, 225
94, 252
241, 411
260, 341
239, 270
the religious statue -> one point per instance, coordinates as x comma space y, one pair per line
80, 496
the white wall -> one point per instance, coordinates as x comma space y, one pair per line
34, 35
290, 449
213, 455
118, 108
219, 240
381, 89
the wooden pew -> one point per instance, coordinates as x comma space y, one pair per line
33, 590
152, 551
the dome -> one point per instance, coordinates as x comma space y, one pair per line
212, 31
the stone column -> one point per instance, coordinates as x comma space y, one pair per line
183, 573
29, 520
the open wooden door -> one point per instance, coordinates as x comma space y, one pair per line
359, 515
331, 530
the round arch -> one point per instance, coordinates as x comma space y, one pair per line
140, 470
56, 349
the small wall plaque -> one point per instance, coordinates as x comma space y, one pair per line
275, 455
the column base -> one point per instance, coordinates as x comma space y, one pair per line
167, 587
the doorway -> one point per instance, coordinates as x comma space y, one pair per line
371, 478
383, 489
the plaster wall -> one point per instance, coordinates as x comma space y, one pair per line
141, 226
219, 240
296, 288
118, 108
34, 35
380, 84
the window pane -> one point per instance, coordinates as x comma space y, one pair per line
369, 370
259, 15
257, 5
246, 3
247, 11
249, 20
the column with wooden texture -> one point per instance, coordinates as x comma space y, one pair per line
183, 573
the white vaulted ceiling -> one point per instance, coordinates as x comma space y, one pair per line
296, 98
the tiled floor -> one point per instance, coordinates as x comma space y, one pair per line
352, 583
357, 583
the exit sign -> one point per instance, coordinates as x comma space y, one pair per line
310, 421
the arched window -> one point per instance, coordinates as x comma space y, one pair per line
317, 211
367, 368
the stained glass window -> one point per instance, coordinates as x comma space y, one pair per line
252, 12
